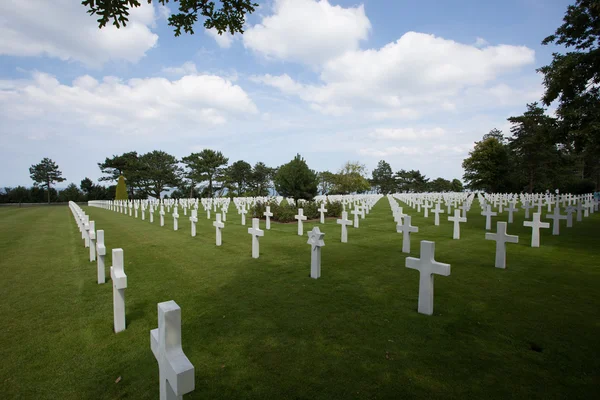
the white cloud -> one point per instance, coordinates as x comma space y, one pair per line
62, 29
308, 31
137, 107
480, 42
432, 151
224, 40
407, 133
187, 68
413, 76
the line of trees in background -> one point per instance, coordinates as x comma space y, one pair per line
546, 152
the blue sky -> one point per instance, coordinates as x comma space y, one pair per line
412, 82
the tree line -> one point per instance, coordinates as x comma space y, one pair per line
546, 152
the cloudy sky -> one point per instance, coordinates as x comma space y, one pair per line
411, 82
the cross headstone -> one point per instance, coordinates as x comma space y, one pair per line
175, 219
256, 232
511, 209
92, 235
535, 225
556, 216
344, 221
151, 214
427, 266
300, 217
488, 214
457, 219
356, 213
193, 220
224, 213
176, 372
243, 211
218, 225
322, 210
162, 215
406, 228
464, 207
570, 210
437, 211
527, 206
101, 250
119, 279
315, 239
501, 239
268, 214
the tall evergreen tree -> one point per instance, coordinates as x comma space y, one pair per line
45, 174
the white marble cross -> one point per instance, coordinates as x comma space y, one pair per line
224, 213
343, 222
175, 218
151, 214
579, 208
101, 250
176, 372
243, 211
143, 212
119, 279
315, 239
488, 214
527, 206
322, 210
426, 208
208, 213
437, 211
218, 225
300, 217
356, 213
136, 206
501, 239
268, 214
427, 266
92, 235
464, 207
162, 215
406, 230
511, 209
256, 232
570, 210
193, 220
556, 216
457, 219
535, 225
86, 228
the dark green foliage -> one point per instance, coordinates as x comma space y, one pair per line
383, 178
71, 193
238, 175
411, 181
128, 165
296, 180
45, 174
260, 180
229, 18
285, 212
207, 165
573, 79
159, 171
334, 209
487, 167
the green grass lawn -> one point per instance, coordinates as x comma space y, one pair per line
262, 329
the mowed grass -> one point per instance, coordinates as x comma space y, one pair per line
262, 329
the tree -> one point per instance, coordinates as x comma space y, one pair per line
456, 186
574, 79
296, 180
383, 178
86, 186
534, 147
487, 166
71, 193
440, 185
45, 174
411, 181
206, 165
260, 179
350, 179
228, 18
239, 173
121, 192
326, 182
159, 171
127, 165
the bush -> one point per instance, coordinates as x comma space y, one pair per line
285, 212
334, 209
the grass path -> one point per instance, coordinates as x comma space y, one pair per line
263, 329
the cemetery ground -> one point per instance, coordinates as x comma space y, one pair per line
262, 328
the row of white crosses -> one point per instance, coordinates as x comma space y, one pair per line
176, 372
95, 241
